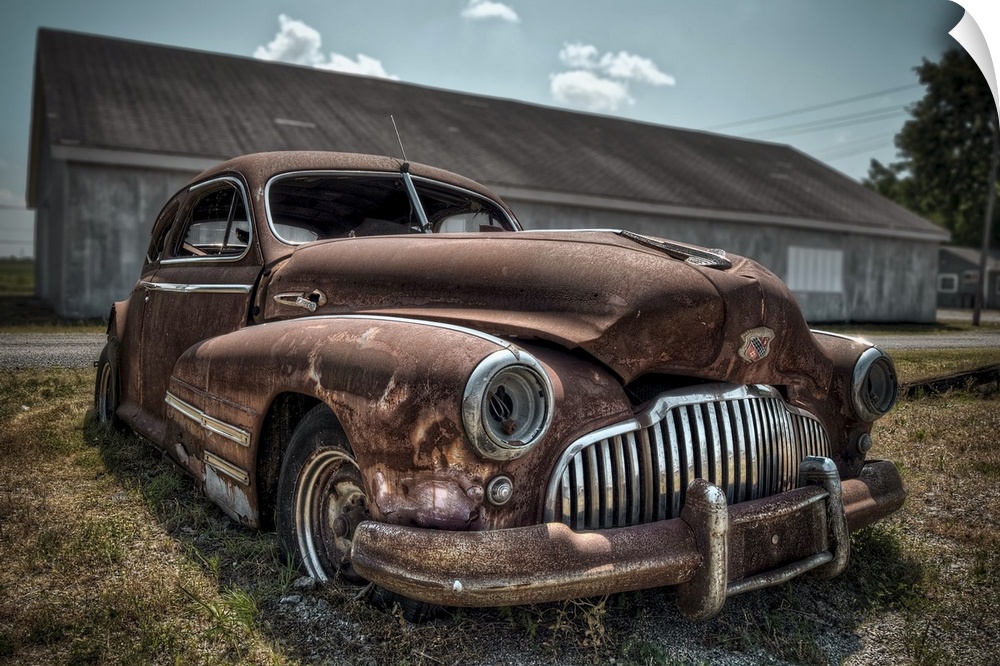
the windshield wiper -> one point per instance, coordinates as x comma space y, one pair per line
425, 225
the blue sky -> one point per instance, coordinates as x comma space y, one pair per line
700, 64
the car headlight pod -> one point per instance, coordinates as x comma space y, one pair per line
874, 387
507, 405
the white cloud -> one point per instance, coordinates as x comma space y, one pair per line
578, 56
601, 82
482, 10
624, 65
584, 89
363, 65
299, 43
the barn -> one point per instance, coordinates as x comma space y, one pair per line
118, 126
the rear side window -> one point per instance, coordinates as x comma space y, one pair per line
161, 228
216, 224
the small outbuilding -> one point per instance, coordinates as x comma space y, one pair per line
118, 126
958, 277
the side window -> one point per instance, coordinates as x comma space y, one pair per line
216, 224
161, 228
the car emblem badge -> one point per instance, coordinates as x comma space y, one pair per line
756, 344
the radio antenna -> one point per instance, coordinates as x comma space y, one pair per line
398, 138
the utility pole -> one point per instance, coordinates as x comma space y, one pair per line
987, 229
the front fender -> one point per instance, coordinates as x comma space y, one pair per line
395, 385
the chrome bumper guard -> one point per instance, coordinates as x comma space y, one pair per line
711, 552
707, 514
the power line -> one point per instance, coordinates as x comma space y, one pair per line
860, 150
855, 147
830, 123
815, 107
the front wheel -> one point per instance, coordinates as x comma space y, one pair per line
321, 501
321, 498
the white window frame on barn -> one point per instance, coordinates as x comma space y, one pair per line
948, 283
815, 270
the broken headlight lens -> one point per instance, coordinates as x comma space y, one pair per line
507, 405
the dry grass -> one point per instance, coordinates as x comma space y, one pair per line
949, 452
112, 557
914, 366
91, 573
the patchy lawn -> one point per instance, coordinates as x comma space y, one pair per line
112, 557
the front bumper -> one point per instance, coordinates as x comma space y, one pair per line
712, 551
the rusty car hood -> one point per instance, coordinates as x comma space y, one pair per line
634, 308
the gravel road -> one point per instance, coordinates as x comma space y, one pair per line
49, 350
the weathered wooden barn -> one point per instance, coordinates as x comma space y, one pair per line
118, 126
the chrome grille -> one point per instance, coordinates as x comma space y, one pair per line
744, 439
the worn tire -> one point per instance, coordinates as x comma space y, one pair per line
107, 386
321, 498
320, 502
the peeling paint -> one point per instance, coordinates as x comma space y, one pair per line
228, 495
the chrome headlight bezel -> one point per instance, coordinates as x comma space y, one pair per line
521, 395
874, 385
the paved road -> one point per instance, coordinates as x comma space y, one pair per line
73, 350
49, 350
964, 340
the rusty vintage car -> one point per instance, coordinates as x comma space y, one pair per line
372, 357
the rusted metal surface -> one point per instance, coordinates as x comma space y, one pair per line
706, 514
221, 355
550, 562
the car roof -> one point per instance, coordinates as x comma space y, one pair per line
258, 168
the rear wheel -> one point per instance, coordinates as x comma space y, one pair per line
107, 392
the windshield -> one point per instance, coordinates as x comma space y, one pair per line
305, 207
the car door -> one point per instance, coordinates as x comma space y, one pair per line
202, 288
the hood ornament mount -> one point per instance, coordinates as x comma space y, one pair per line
686, 253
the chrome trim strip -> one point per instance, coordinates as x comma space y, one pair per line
179, 288
232, 471
840, 336
207, 422
500, 342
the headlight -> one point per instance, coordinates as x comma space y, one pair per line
507, 405
874, 387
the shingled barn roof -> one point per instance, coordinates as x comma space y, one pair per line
137, 98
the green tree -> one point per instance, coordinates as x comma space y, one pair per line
945, 150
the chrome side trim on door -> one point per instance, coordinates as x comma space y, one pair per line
232, 471
207, 422
179, 288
